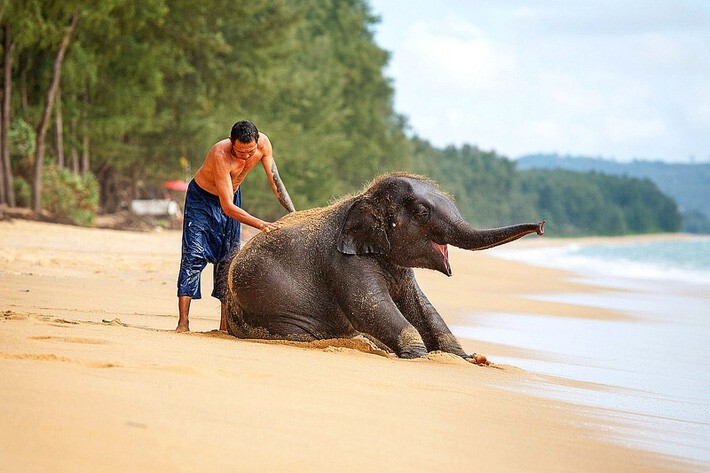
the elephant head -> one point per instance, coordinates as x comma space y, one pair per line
410, 222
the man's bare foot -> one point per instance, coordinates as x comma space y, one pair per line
182, 328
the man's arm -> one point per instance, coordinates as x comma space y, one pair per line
277, 185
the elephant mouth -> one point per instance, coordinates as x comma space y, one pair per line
443, 251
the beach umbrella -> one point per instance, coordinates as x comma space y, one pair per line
176, 185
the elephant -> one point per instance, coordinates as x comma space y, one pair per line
346, 269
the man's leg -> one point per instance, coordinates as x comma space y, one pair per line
223, 320
196, 251
183, 313
221, 269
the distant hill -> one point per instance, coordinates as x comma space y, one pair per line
688, 184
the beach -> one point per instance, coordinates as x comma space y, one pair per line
94, 377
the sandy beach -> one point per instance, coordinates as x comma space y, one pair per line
94, 378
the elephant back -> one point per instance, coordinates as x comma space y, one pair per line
305, 237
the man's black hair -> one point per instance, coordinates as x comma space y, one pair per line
245, 132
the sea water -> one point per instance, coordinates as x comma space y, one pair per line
678, 260
649, 370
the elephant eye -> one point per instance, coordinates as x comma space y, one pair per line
421, 213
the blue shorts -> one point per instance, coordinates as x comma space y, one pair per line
208, 236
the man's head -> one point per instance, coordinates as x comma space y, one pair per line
244, 139
245, 132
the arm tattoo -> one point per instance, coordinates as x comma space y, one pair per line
281, 192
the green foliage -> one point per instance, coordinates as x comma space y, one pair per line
491, 191
69, 195
21, 138
146, 82
21, 141
23, 192
592, 203
687, 183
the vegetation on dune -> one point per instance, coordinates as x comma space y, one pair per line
687, 183
491, 191
101, 101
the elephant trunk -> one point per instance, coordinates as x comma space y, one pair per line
469, 238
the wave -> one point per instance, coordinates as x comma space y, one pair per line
681, 261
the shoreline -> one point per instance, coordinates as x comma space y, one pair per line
95, 377
648, 290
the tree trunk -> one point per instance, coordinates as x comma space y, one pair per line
44, 121
85, 132
5, 125
59, 128
3, 196
24, 99
72, 146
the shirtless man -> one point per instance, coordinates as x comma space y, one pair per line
213, 212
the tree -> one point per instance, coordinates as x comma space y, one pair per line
44, 121
578, 203
7, 192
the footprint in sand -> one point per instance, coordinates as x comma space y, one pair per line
53, 357
90, 341
10, 315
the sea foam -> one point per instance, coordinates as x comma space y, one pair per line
685, 261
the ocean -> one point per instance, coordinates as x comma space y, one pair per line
650, 370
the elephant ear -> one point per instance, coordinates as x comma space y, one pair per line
363, 232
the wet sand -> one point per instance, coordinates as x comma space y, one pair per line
95, 378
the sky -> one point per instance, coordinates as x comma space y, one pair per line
619, 79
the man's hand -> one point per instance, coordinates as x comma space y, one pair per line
268, 227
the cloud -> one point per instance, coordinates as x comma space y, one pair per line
631, 129
611, 17
624, 79
453, 53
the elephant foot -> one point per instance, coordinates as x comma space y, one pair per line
477, 359
413, 352
410, 344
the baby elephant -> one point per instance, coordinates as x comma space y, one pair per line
346, 269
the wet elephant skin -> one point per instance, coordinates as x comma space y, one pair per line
346, 269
